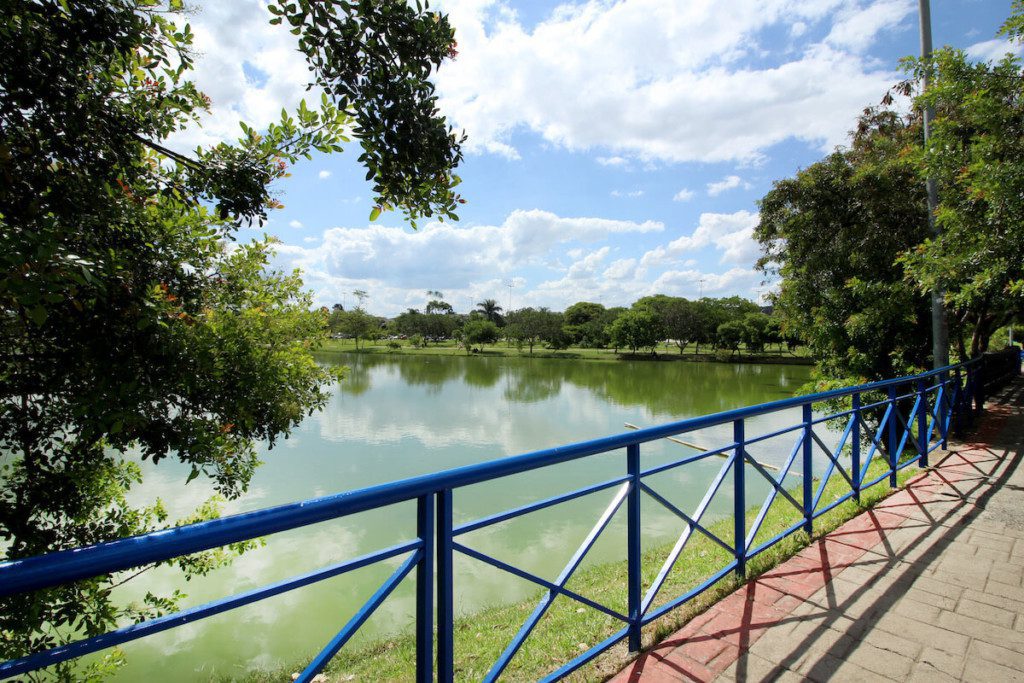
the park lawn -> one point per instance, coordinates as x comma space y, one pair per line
505, 350
568, 627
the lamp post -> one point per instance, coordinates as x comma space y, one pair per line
510, 284
940, 330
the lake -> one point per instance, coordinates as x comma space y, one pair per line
400, 416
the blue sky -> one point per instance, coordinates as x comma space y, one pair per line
616, 149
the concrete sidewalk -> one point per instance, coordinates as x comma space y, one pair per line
925, 586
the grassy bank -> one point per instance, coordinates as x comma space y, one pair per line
502, 350
569, 627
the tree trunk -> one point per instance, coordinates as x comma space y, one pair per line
982, 334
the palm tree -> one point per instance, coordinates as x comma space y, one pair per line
491, 310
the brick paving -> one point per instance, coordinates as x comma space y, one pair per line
926, 586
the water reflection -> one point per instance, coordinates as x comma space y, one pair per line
395, 417
674, 389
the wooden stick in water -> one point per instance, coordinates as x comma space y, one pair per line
673, 439
720, 455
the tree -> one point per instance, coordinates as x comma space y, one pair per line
408, 323
834, 233
610, 316
976, 155
585, 324
430, 326
435, 306
491, 310
730, 335
130, 330
735, 307
708, 316
680, 319
657, 304
774, 333
479, 332
531, 326
636, 329
756, 331
357, 324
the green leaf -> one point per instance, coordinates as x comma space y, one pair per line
38, 315
375, 213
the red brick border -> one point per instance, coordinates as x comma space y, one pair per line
711, 642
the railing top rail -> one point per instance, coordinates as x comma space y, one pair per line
34, 573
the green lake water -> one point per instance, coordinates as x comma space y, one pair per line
401, 416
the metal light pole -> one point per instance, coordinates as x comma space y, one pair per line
940, 330
510, 284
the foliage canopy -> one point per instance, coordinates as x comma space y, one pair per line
833, 233
132, 326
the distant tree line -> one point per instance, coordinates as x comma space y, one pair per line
718, 324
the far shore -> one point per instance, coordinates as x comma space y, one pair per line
503, 350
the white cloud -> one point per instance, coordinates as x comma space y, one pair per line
664, 81
993, 50
632, 194
577, 256
684, 195
294, 224
323, 175
858, 24
798, 29
588, 266
621, 284
640, 79
622, 269
726, 183
691, 282
732, 233
231, 39
661, 270
396, 264
739, 246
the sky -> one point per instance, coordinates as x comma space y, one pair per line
616, 149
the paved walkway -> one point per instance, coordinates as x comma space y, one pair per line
927, 586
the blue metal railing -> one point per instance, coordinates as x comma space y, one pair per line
933, 404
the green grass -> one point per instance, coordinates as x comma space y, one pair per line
503, 350
569, 627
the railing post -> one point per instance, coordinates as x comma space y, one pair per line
445, 590
922, 422
807, 461
968, 396
979, 387
956, 400
942, 397
739, 507
633, 545
425, 590
891, 429
855, 448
